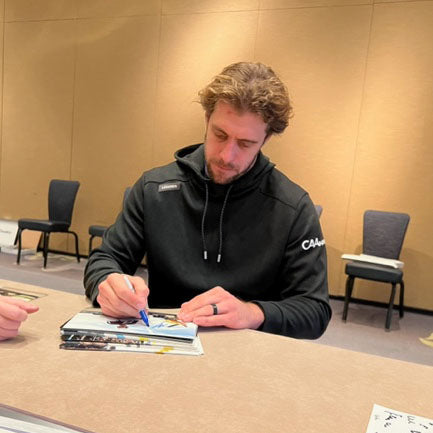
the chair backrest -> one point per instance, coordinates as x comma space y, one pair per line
384, 233
61, 199
319, 209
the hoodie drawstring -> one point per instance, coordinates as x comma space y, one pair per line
221, 225
219, 257
202, 223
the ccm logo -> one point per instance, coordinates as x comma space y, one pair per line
171, 186
312, 243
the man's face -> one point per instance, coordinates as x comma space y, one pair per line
232, 142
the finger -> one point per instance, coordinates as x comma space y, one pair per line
25, 305
12, 311
114, 306
114, 288
105, 294
214, 320
109, 297
109, 312
202, 305
8, 333
212, 296
124, 292
141, 290
31, 308
9, 324
206, 310
13, 301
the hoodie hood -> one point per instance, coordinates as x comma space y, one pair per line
193, 158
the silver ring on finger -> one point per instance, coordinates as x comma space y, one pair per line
215, 309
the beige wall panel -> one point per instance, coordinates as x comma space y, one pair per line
320, 54
1, 105
37, 114
204, 6
29, 10
394, 163
2, 9
284, 4
114, 109
191, 53
117, 8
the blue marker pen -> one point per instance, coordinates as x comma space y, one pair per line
142, 313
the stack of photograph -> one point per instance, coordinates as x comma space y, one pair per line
166, 334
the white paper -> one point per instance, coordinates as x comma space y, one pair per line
8, 425
385, 420
366, 258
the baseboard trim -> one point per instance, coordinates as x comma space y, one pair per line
382, 304
82, 256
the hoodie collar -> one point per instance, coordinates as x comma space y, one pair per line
192, 158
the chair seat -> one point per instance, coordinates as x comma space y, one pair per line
370, 271
97, 230
43, 225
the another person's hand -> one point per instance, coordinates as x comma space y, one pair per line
117, 300
231, 312
12, 313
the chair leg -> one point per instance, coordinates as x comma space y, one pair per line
46, 241
349, 288
390, 307
401, 298
19, 245
77, 253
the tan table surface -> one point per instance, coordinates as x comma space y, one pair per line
246, 381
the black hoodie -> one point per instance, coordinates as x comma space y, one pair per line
258, 237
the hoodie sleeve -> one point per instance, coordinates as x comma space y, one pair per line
304, 310
123, 246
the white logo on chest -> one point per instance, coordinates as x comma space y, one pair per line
169, 186
312, 243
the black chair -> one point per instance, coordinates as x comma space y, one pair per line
383, 236
98, 231
319, 209
61, 199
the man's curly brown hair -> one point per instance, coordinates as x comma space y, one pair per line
250, 87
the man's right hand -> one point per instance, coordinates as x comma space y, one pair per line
117, 300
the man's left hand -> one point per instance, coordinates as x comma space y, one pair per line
217, 307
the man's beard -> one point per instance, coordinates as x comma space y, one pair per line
226, 180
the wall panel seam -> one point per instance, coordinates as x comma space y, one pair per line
283, 8
355, 153
256, 36
210, 12
102, 17
156, 84
71, 152
2, 93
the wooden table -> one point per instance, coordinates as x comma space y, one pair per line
246, 381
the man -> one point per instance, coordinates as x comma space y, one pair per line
227, 236
12, 313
